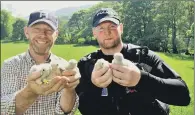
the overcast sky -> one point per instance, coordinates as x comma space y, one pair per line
24, 8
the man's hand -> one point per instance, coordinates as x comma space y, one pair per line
126, 75
102, 77
55, 85
68, 95
73, 77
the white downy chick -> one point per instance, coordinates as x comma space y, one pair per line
101, 63
58, 66
45, 69
72, 64
120, 60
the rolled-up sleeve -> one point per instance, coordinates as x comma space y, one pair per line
59, 111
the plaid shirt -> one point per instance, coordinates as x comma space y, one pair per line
14, 72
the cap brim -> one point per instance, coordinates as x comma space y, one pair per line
46, 21
114, 20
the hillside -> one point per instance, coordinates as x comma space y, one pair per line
70, 10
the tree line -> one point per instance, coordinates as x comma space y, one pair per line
166, 26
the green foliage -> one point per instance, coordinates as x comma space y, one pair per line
6, 24
138, 23
81, 41
18, 29
160, 25
63, 36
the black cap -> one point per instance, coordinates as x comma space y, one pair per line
43, 16
105, 14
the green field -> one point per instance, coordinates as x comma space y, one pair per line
181, 64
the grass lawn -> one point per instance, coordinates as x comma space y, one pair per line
181, 64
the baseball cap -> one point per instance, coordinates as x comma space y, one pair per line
105, 14
43, 16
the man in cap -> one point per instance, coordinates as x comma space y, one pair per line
141, 88
20, 93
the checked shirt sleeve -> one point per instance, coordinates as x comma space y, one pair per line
9, 88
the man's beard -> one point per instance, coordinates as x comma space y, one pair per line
114, 44
40, 50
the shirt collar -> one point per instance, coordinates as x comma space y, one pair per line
31, 60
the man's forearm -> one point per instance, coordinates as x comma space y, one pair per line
24, 99
67, 100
